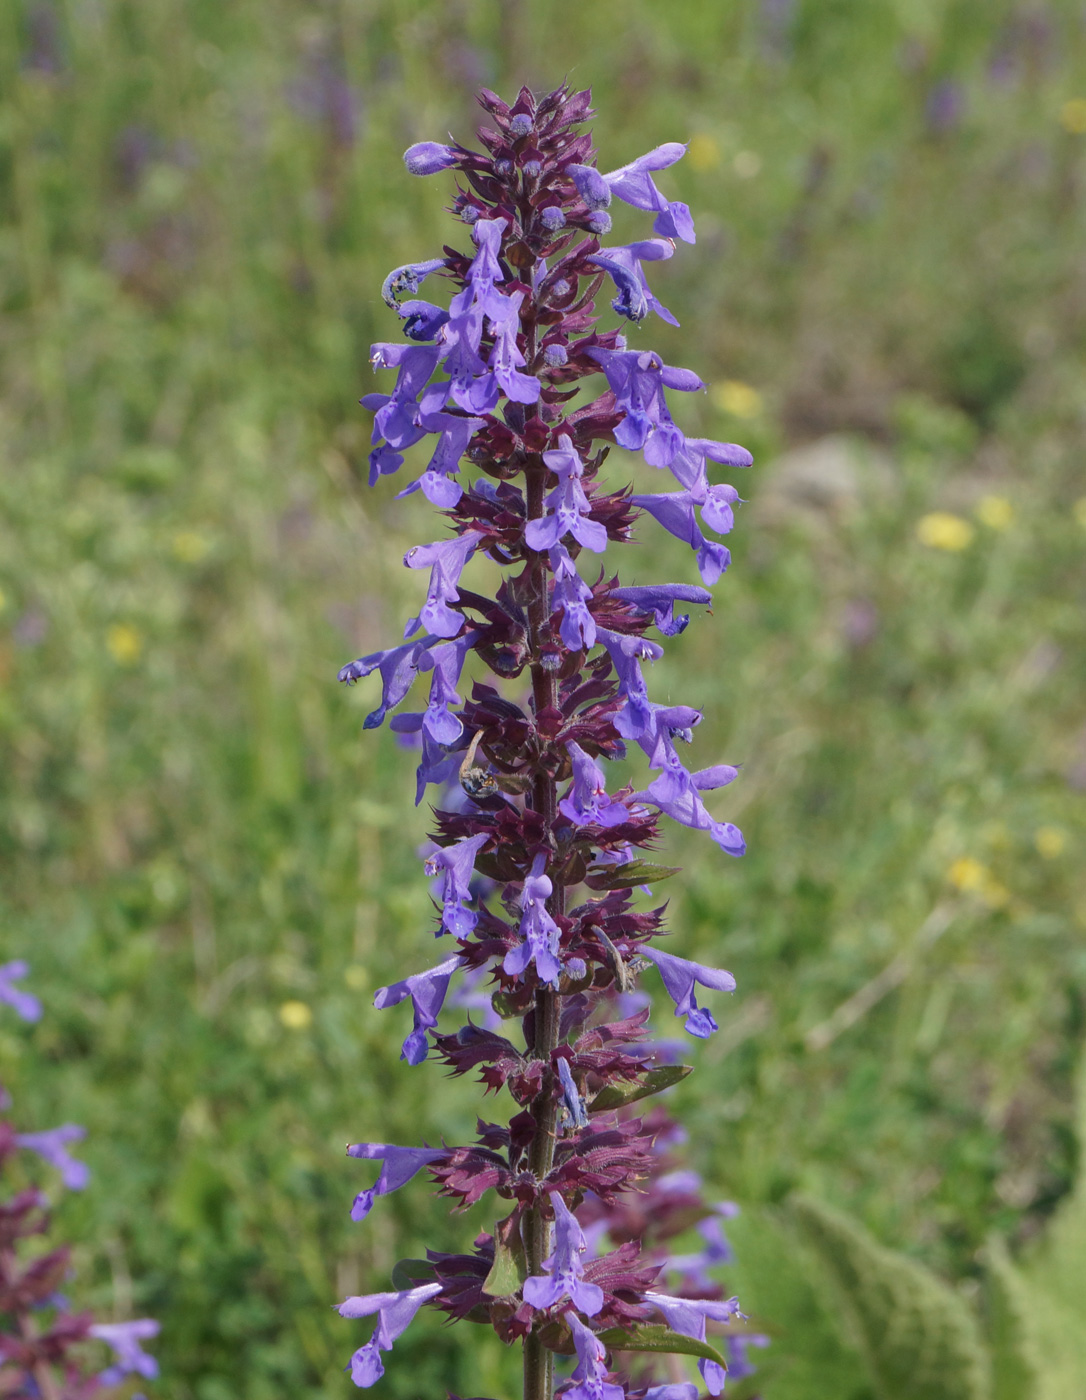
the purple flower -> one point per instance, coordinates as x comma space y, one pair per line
505, 358
402, 281
569, 506
571, 593
446, 662
397, 416
688, 1316
637, 380
634, 185
565, 1269
484, 271
422, 320
538, 930
436, 481
635, 299
552, 218
427, 992
716, 1250
679, 1390
635, 721
674, 510
428, 157
571, 1096
455, 865
587, 803
678, 792
395, 1313
660, 599
590, 1373
125, 1338
52, 1147
688, 464
739, 1364
445, 559
398, 667
23, 1003
398, 1166
680, 977
591, 186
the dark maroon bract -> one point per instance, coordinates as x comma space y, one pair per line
525, 816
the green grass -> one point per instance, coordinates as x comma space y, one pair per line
193, 829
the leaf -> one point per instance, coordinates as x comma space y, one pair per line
657, 1080
409, 1273
654, 1336
1016, 1367
1053, 1285
510, 1267
917, 1336
626, 877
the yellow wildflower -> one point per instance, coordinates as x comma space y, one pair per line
1073, 116
356, 977
295, 1015
996, 512
940, 530
739, 399
968, 874
1050, 842
1079, 509
125, 643
189, 547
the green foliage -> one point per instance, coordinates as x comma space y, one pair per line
1047, 1293
916, 1335
196, 837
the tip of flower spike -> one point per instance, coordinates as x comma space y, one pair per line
428, 158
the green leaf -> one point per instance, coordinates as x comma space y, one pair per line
1016, 1361
916, 1335
626, 877
510, 1267
409, 1273
1052, 1295
618, 1095
654, 1336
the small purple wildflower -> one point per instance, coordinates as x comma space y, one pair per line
52, 1147
395, 1313
680, 976
590, 1373
398, 1166
125, 1338
24, 1004
688, 1317
454, 866
445, 560
538, 931
635, 299
427, 992
565, 1277
568, 503
428, 157
587, 800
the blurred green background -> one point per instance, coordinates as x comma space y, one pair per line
208, 865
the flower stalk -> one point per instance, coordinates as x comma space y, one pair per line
525, 820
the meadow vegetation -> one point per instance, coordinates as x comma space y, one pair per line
211, 869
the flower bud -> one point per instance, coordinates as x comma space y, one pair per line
520, 125
591, 186
552, 218
599, 222
555, 356
428, 157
